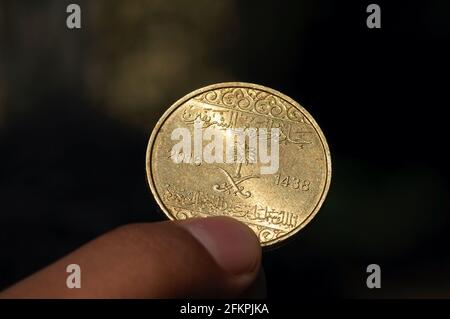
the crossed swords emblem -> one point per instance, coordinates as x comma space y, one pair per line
233, 185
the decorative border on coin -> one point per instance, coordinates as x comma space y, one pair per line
278, 106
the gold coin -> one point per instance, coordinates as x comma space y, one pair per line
190, 175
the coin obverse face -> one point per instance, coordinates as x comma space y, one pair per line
275, 183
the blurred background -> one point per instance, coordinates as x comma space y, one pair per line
77, 108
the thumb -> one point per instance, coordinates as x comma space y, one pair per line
206, 257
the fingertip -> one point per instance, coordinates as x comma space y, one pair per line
232, 244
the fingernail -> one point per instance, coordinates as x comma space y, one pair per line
232, 244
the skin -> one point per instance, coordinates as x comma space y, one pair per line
215, 257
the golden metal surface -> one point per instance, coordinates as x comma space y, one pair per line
274, 206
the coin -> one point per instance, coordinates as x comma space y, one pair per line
275, 184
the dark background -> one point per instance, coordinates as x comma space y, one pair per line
77, 108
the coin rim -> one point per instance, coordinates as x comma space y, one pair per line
211, 87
